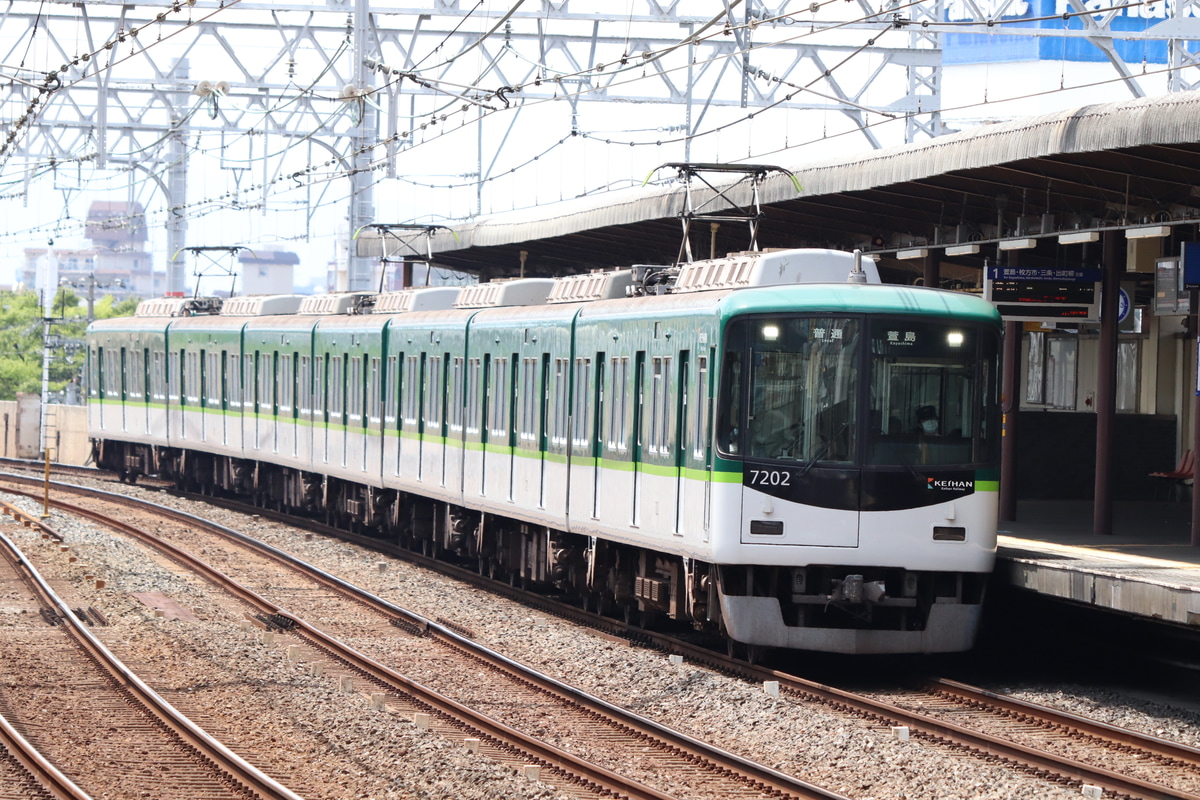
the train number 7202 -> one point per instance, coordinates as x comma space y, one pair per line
770, 477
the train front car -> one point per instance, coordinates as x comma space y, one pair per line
864, 423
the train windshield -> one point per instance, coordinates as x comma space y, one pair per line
848, 390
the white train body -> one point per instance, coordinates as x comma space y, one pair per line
746, 452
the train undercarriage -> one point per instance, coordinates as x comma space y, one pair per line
820, 607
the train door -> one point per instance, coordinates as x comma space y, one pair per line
597, 446
639, 387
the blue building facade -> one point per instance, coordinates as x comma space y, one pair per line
975, 48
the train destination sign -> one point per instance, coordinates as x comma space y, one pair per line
1040, 294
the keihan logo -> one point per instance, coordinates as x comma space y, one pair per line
935, 483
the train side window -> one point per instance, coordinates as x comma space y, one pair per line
558, 429
618, 404
212, 379
287, 385
234, 367
266, 382
374, 397
191, 382
248, 385
698, 406
173, 377
433, 395
499, 415
473, 399
337, 390
94, 372
112, 383
304, 391
320, 388
391, 405
133, 379
354, 390
580, 412
529, 396
158, 387
456, 395
412, 389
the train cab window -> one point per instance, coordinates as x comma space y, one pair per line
932, 384
800, 392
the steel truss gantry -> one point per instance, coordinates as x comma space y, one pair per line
322, 97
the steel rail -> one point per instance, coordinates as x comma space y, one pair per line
1144, 742
1028, 758
38, 766
548, 754
238, 769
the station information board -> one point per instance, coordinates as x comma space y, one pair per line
1044, 295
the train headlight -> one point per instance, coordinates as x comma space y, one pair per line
770, 332
954, 338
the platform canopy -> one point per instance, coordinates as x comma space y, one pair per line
1117, 165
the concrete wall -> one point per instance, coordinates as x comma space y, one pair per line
20, 422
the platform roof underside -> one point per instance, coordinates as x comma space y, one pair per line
1098, 166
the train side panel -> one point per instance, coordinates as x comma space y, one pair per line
515, 458
275, 388
642, 468
347, 347
422, 425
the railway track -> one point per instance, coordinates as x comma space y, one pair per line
73, 688
1040, 741
25, 774
607, 735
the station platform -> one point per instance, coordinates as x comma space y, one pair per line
1146, 568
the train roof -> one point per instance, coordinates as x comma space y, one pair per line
860, 299
261, 305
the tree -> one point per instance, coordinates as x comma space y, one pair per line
21, 338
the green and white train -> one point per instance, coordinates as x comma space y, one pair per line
772, 445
